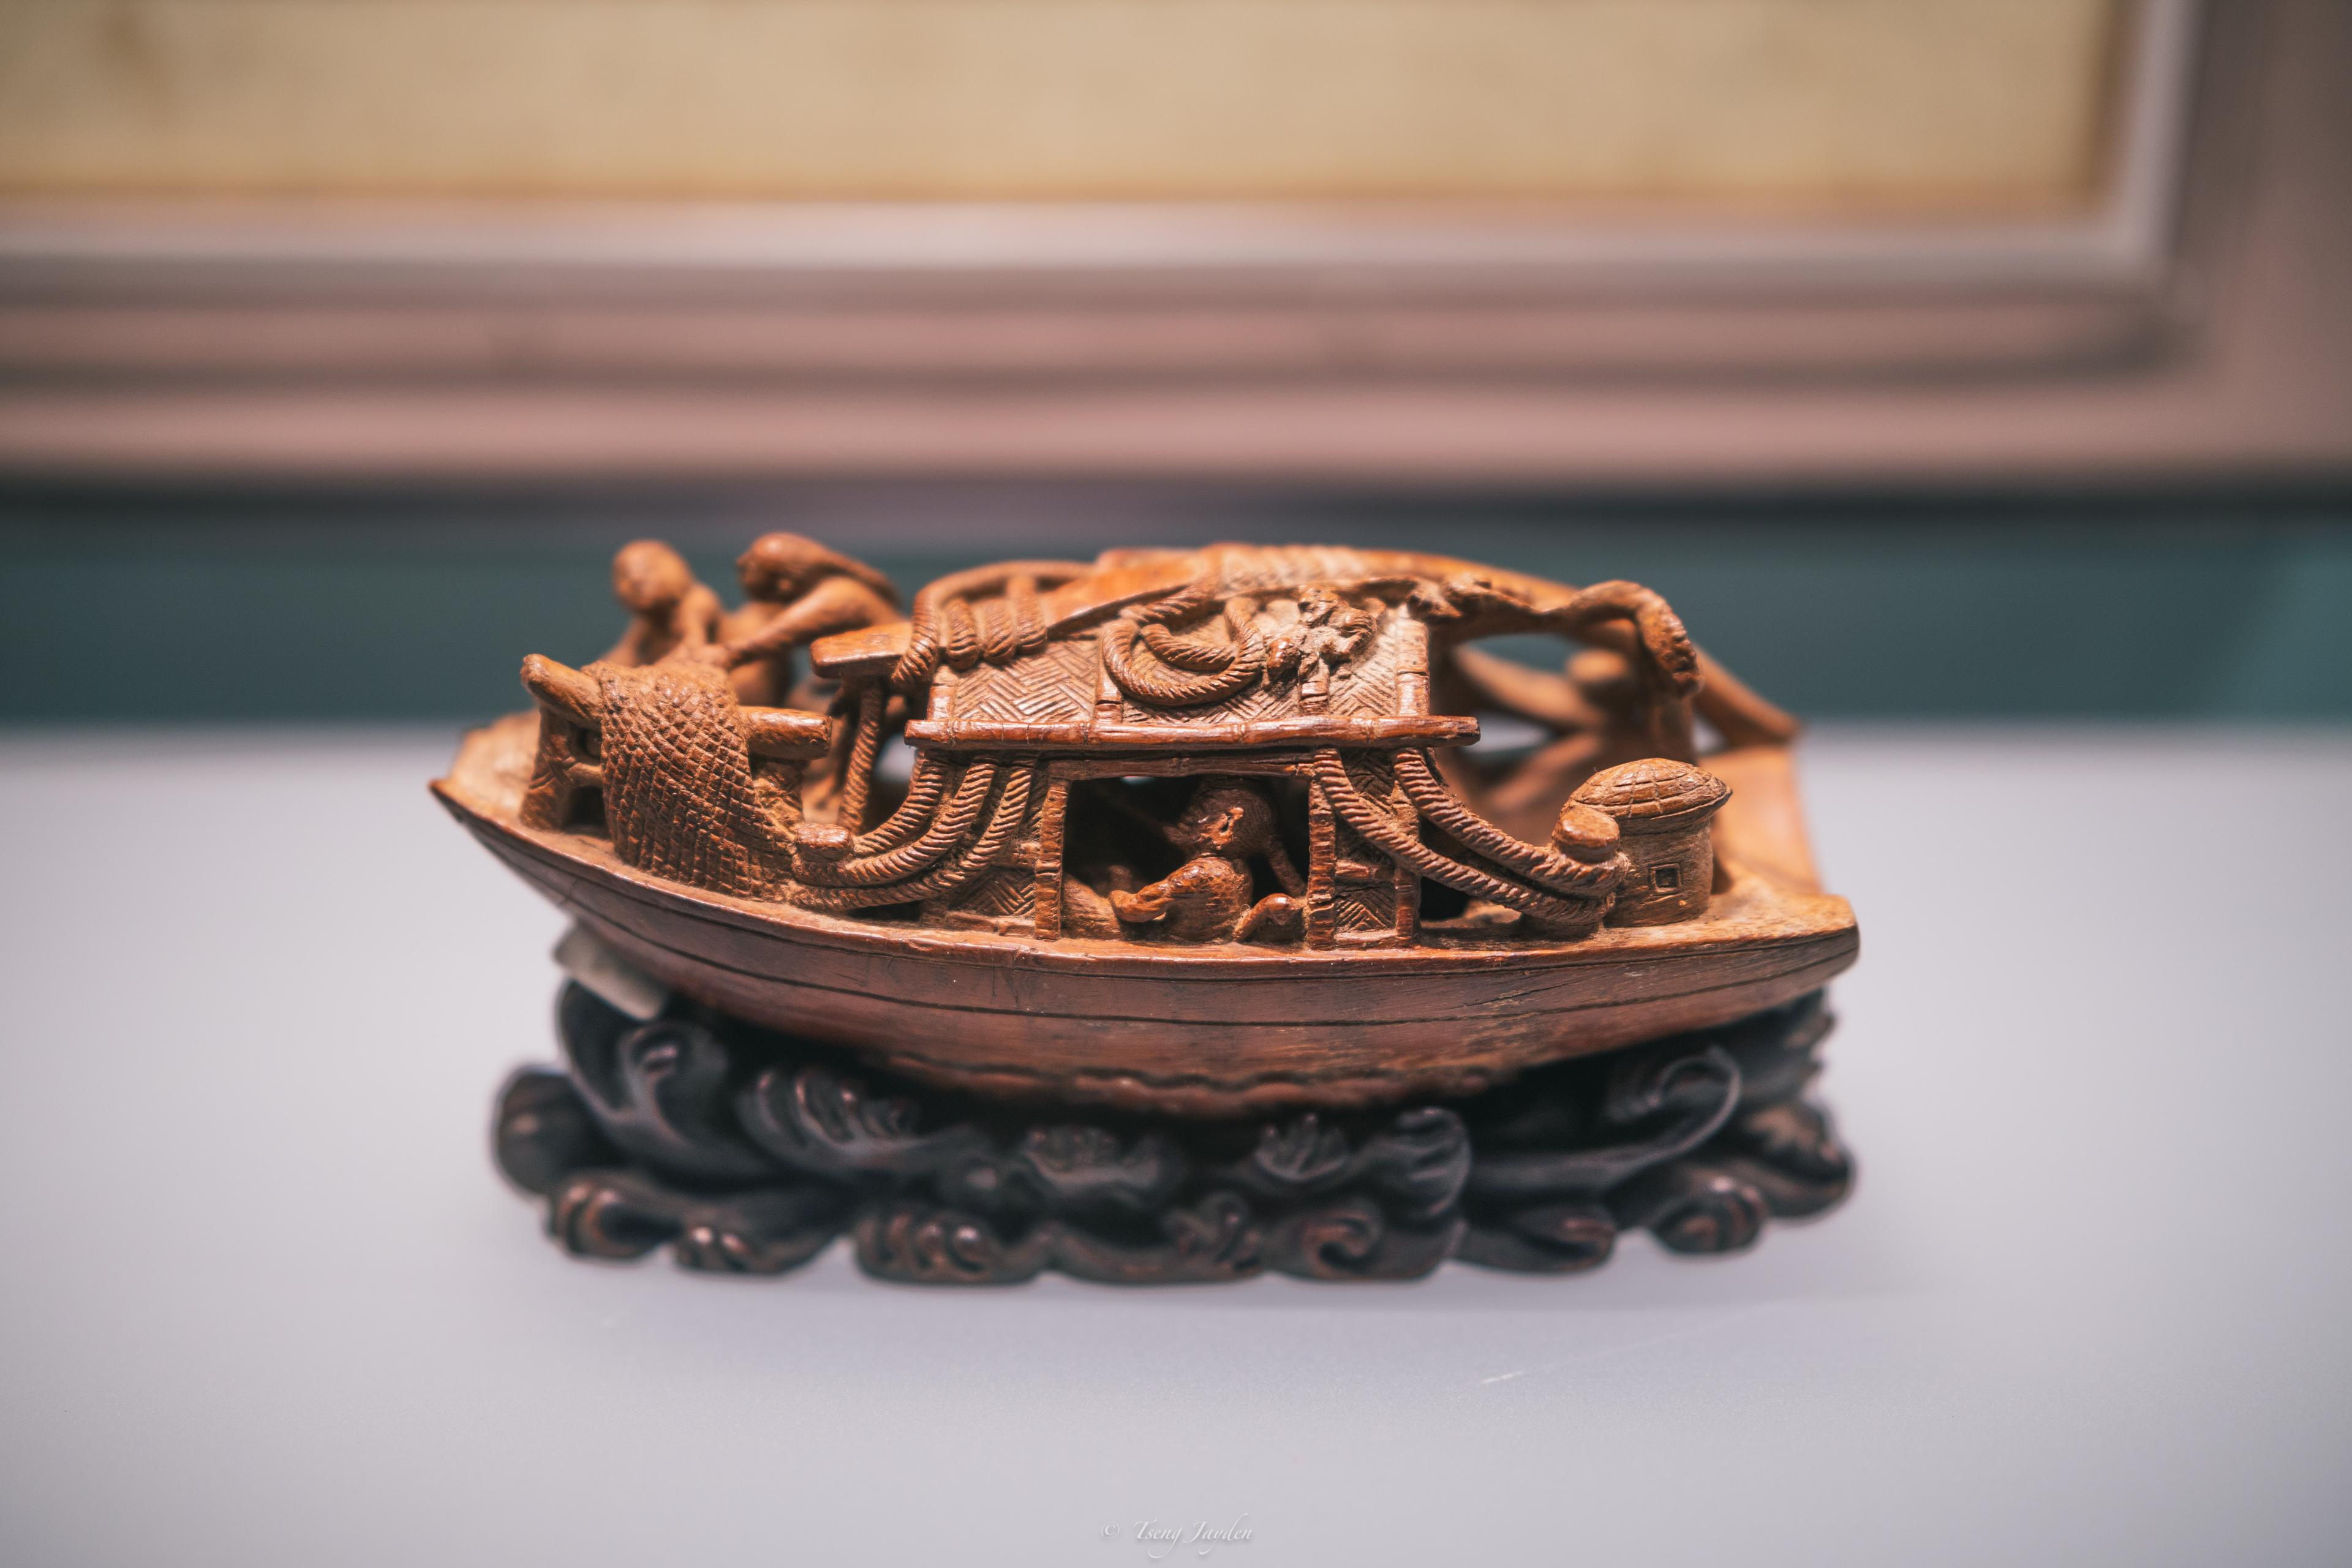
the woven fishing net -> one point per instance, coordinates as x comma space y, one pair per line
678, 794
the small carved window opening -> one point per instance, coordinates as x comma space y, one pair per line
1667, 878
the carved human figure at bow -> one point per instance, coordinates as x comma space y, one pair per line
669, 612
1325, 636
795, 591
1210, 897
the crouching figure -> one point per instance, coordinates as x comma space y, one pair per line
1211, 896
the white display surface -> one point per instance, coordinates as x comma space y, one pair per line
265, 1301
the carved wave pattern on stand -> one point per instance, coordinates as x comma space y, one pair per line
747, 1152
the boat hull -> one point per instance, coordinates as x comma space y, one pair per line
1213, 1031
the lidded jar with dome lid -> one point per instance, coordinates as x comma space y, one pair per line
1664, 810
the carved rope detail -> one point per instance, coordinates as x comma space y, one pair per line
1005, 819
1245, 660
1555, 913
944, 627
1444, 810
944, 833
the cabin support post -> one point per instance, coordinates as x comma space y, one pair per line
560, 770
1046, 899
1407, 880
1412, 668
857, 780
1412, 701
1322, 870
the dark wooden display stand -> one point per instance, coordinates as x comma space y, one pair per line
746, 1151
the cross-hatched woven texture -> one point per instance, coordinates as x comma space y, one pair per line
1363, 907
678, 798
1010, 891
1054, 685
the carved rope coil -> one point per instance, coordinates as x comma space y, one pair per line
1376, 825
1005, 819
857, 780
945, 628
998, 630
1188, 600
924, 791
960, 641
1187, 653
1245, 660
1446, 811
945, 833
1012, 815
1015, 624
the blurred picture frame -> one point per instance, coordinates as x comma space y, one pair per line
2136, 284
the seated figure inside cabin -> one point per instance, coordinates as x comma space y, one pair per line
1210, 897
669, 612
795, 591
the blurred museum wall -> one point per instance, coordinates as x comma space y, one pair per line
327, 605
1963, 357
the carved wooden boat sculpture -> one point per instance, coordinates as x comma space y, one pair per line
1198, 832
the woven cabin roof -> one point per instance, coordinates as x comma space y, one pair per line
1062, 693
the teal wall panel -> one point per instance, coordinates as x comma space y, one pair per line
139, 608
